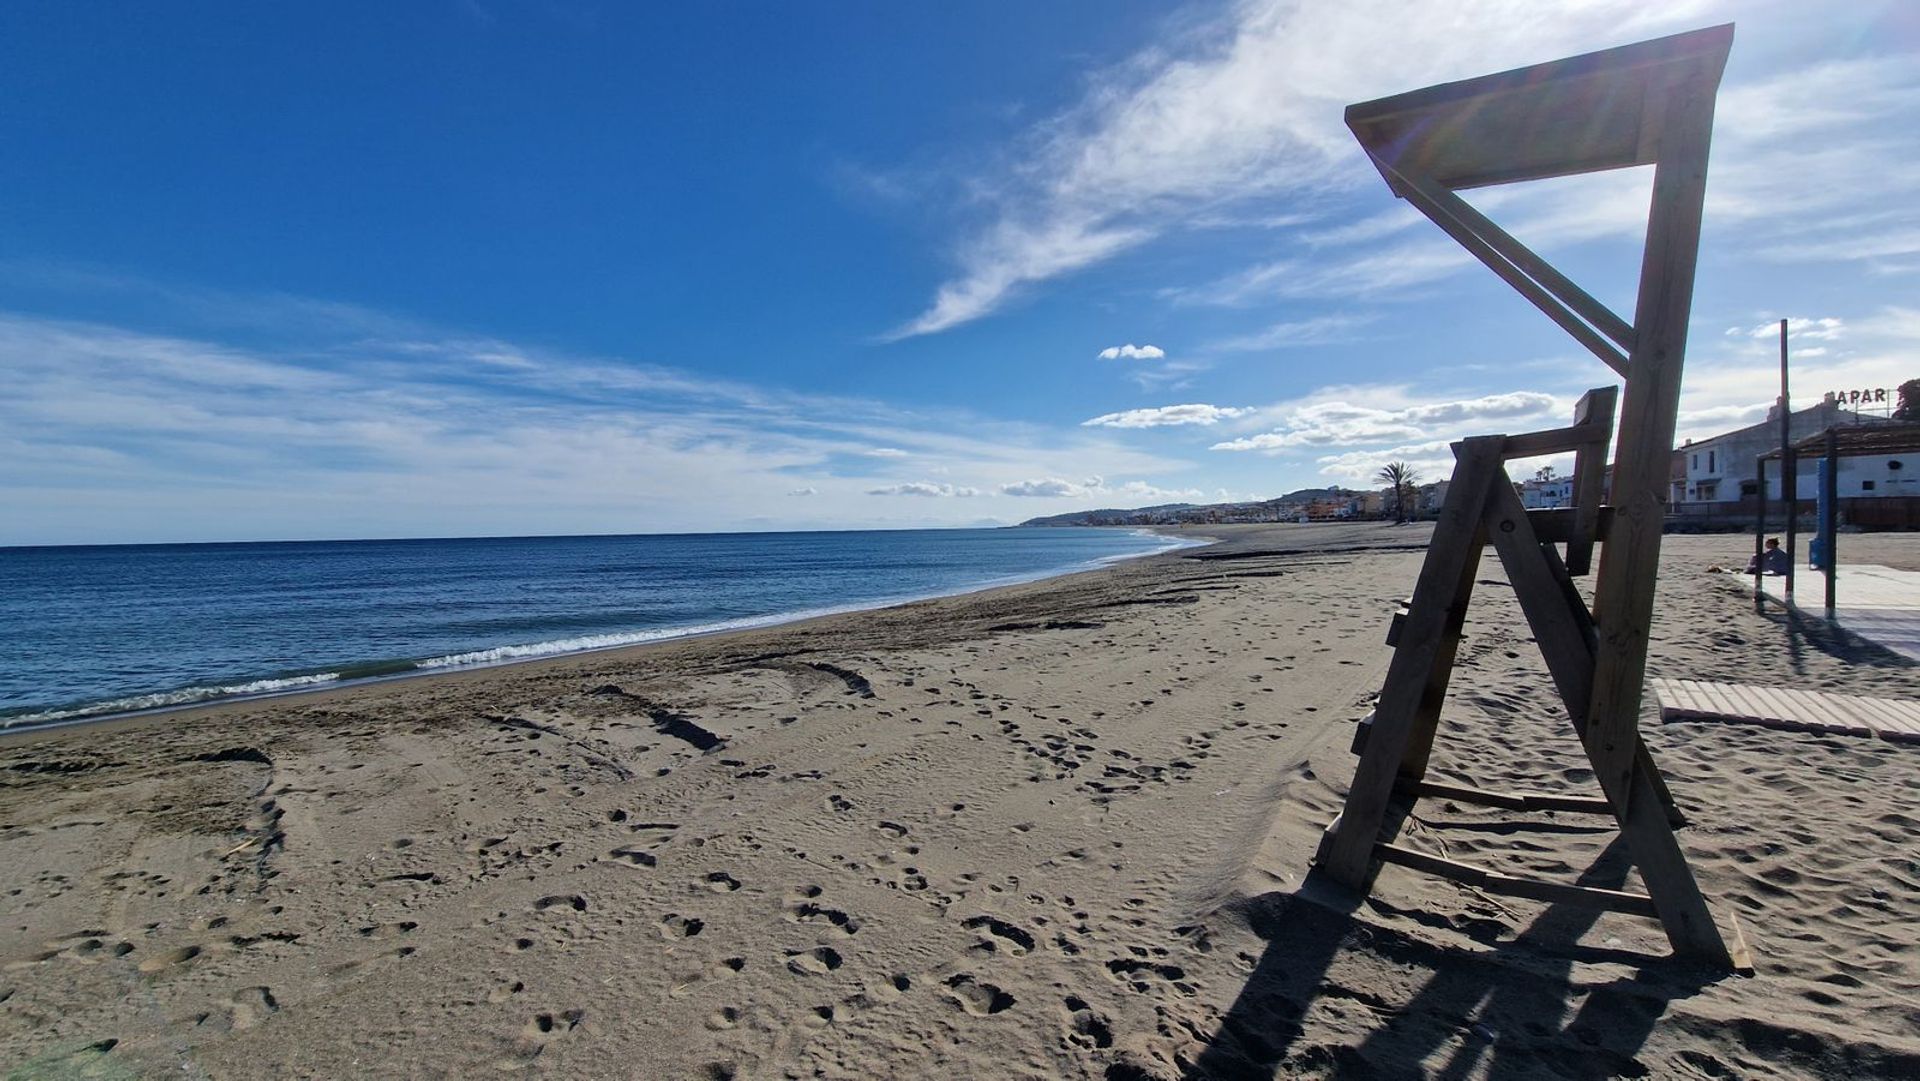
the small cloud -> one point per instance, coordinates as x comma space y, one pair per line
1817, 330
1049, 488
921, 488
886, 452
1166, 416
1131, 351
805, 491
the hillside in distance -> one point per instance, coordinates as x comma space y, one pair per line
1286, 508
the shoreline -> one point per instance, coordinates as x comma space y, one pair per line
423, 669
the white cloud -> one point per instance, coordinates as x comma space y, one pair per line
1097, 487
1165, 416
1339, 422
886, 452
1048, 488
1234, 117
1131, 351
923, 488
805, 491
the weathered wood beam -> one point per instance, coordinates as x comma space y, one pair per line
1423, 194
1512, 801
1632, 904
1630, 561
1550, 279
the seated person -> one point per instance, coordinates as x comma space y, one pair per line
1774, 561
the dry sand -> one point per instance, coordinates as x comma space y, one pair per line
1058, 830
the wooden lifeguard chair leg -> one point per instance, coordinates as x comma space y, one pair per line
1630, 560
1452, 556
1558, 616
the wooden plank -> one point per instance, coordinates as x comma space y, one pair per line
1576, 115
1880, 714
1595, 409
1632, 904
1850, 716
1348, 857
1562, 288
1512, 801
1556, 628
1556, 524
1554, 441
1675, 698
1749, 702
1433, 697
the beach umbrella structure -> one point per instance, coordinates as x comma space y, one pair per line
1649, 103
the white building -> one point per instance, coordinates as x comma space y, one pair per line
1722, 469
1537, 494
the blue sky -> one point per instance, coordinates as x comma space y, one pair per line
457, 268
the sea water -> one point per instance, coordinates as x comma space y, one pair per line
88, 631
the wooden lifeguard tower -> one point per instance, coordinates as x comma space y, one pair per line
1645, 104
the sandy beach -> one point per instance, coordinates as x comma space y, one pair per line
1059, 830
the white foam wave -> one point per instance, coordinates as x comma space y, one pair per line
185, 696
588, 642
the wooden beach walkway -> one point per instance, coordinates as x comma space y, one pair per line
1776, 707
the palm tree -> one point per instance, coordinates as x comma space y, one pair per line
1400, 476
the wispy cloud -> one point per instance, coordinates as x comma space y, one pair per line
1319, 330
1165, 416
1095, 487
1237, 116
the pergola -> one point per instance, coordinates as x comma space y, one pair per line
1876, 440
1645, 104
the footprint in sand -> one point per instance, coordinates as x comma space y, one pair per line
808, 912
814, 962
722, 882
561, 900
1086, 1027
978, 997
1017, 941
674, 925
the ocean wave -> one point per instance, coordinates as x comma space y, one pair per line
589, 642
185, 696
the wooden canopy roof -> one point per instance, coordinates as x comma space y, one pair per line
1582, 114
1867, 439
